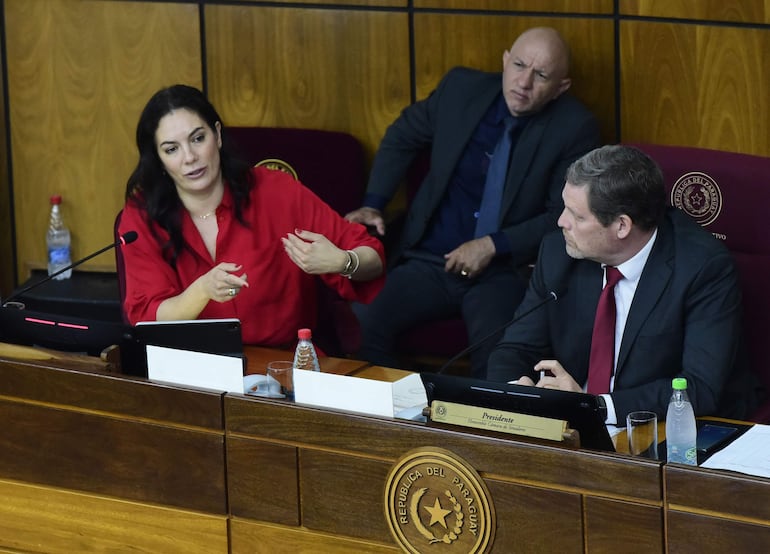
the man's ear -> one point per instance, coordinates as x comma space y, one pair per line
624, 223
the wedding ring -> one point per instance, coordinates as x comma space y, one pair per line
231, 292
464, 273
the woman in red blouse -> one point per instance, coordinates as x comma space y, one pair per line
219, 239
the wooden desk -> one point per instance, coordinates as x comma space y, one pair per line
97, 461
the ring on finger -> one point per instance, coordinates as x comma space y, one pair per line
464, 273
231, 292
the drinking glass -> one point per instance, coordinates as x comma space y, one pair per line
642, 431
283, 372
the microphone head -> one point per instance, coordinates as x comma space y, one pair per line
129, 237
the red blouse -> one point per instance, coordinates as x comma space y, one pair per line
280, 298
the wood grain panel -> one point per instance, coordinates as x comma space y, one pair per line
7, 276
248, 537
720, 492
110, 394
696, 86
740, 11
46, 519
103, 455
78, 75
527, 517
270, 496
340, 70
535, 463
702, 534
374, 3
443, 41
635, 528
334, 488
556, 6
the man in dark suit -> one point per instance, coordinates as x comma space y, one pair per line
470, 228
678, 303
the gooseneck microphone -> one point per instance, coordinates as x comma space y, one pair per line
550, 297
126, 238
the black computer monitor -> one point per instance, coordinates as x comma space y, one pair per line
580, 410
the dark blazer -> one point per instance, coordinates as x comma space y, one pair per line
553, 138
684, 321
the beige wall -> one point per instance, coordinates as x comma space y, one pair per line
79, 71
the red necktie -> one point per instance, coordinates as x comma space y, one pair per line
603, 340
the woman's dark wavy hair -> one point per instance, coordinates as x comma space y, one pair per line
152, 189
621, 180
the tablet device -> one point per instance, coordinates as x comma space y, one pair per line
209, 336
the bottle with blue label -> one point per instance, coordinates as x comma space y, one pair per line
58, 241
681, 431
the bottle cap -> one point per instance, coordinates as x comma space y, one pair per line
56, 199
304, 334
680, 383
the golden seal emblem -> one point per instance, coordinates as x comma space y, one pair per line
436, 502
698, 195
280, 165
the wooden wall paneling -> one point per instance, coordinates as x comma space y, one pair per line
343, 494
443, 41
342, 70
46, 519
79, 73
89, 390
353, 3
739, 11
706, 534
126, 459
270, 496
718, 492
249, 537
635, 527
7, 276
527, 517
696, 85
560, 6
536, 463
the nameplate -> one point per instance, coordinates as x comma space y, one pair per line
498, 420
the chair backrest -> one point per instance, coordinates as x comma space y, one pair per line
332, 164
120, 266
729, 194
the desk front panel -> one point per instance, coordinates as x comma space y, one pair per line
716, 511
324, 472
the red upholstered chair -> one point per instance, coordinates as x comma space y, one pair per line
729, 194
333, 165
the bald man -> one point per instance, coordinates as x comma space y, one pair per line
498, 155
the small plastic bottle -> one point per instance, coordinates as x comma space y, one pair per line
58, 241
305, 356
681, 431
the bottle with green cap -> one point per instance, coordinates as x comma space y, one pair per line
680, 426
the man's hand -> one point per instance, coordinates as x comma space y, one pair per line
470, 258
368, 216
558, 379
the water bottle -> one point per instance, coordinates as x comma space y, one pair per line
305, 356
58, 241
680, 426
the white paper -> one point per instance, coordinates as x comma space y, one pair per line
749, 453
356, 394
195, 369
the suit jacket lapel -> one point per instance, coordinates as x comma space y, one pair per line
655, 277
522, 156
466, 122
